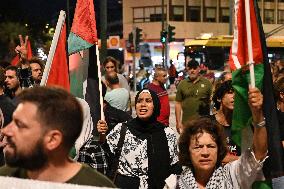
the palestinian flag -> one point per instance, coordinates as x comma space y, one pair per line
83, 33
59, 74
83, 67
56, 68
239, 65
263, 80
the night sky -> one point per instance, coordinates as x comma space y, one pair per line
37, 13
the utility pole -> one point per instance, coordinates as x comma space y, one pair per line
103, 32
166, 51
231, 5
163, 27
134, 59
68, 16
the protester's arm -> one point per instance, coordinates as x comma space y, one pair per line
229, 158
255, 99
22, 50
178, 116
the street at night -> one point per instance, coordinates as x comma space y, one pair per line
134, 94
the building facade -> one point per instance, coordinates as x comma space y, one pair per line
191, 19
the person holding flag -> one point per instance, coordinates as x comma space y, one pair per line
250, 66
202, 147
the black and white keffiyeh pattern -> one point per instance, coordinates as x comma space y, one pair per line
92, 154
219, 180
134, 158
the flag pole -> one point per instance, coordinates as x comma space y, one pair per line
249, 43
102, 135
100, 83
59, 26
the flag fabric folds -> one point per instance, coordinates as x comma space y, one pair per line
83, 31
59, 74
238, 64
241, 80
16, 59
83, 68
91, 89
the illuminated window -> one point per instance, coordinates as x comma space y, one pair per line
210, 14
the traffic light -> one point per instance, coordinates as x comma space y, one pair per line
129, 44
163, 38
138, 38
171, 33
130, 38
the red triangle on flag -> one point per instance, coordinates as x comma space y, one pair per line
58, 74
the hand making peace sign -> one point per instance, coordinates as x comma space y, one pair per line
22, 49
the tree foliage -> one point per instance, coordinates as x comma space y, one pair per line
9, 37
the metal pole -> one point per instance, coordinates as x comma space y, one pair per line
163, 14
163, 26
166, 50
231, 9
103, 26
134, 59
68, 16
167, 40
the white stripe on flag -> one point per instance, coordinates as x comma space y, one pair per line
235, 40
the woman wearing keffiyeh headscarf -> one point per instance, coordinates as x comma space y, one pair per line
149, 151
202, 148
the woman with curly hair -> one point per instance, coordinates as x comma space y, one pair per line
202, 148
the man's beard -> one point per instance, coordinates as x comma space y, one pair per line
36, 159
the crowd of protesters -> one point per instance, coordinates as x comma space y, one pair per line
142, 151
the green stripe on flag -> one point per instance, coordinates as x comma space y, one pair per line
76, 43
262, 185
76, 84
242, 114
